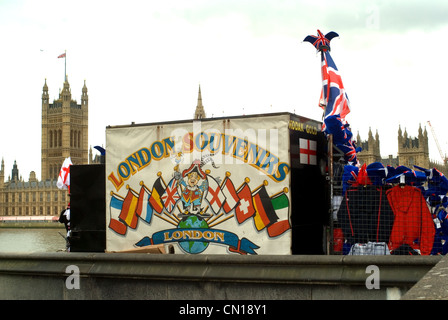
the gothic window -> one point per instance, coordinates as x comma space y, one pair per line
55, 137
79, 139
60, 138
74, 143
71, 138
51, 139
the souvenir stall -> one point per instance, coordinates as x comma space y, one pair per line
375, 209
387, 210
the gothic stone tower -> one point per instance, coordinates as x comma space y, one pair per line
64, 130
413, 151
370, 148
199, 112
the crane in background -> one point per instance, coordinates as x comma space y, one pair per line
444, 158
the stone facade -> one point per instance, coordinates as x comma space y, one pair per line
411, 151
64, 130
29, 198
64, 134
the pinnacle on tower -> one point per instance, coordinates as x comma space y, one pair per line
200, 112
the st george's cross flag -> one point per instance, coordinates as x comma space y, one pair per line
308, 151
215, 196
63, 182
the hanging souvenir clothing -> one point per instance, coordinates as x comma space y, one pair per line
365, 215
413, 224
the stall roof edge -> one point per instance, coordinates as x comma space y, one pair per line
260, 115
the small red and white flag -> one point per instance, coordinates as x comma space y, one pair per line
64, 175
61, 55
215, 196
229, 191
308, 152
245, 207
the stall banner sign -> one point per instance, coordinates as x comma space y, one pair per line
214, 187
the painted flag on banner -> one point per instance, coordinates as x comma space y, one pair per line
170, 196
155, 199
215, 196
144, 209
280, 203
115, 206
308, 151
128, 213
64, 175
231, 195
245, 207
334, 99
264, 211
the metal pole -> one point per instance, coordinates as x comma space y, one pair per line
65, 66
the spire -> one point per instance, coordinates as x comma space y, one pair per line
84, 96
45, 96
15, 172
200, 112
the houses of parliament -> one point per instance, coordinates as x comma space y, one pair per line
65, 134
412, 151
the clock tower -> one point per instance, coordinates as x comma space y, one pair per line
64, 130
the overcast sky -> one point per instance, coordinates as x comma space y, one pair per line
143, 61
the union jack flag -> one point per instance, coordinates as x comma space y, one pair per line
321, 42
349, 150
334, 98
170, 196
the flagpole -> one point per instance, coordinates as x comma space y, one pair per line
65, 66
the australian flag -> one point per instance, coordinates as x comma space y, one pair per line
334, 99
